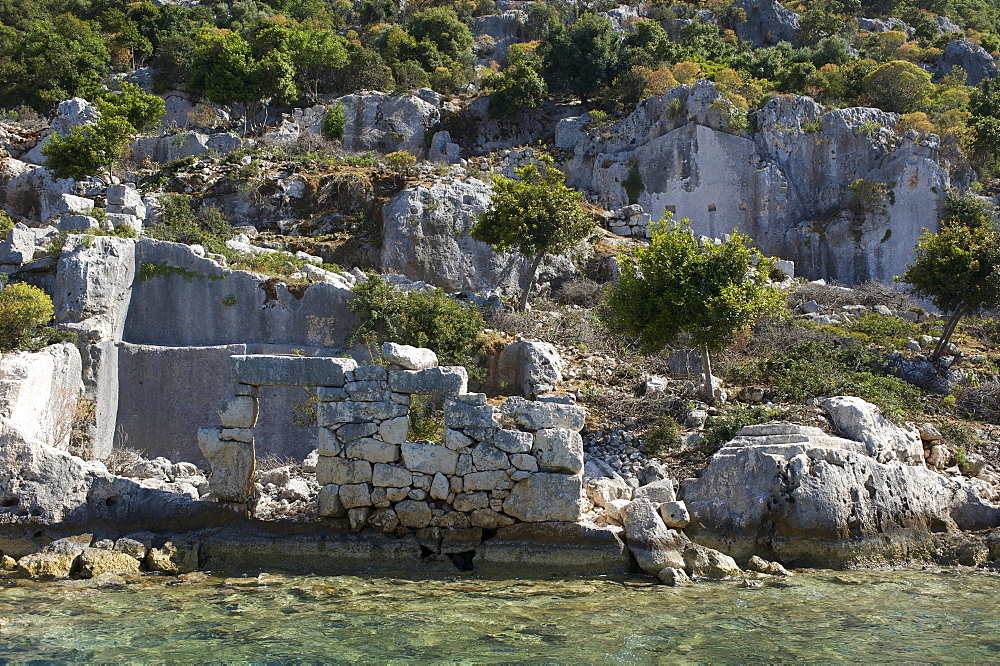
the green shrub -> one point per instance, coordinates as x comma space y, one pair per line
334, 122
887, 331
23, 310
179, 223
428, 319
662, 436
426, 419
6, 224
400, 161
268, 263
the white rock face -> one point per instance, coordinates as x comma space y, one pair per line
533, 367
40, 392
409, 358
798, 494
884, 441
387, 123
425, 236
164, 149
777, 185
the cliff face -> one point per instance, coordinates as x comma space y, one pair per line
838, 192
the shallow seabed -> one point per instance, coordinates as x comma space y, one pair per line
912, 615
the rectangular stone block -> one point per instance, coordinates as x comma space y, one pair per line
446, 380
328, 504
513, 441
546, 497
232, 465
538, 415
352, 431
356, 495
334, 413
493, 480
331, 394
391, 476
372, 450
237, 434
238, 412
370, 373
429, 458
460, 415
558, 450
367, 392
272, 370
342, 471
394, 430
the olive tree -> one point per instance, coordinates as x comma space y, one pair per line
958, 268
679, 283
535, 214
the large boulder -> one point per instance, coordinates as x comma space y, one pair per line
974, 59
504, 29
387, 123
654, 546
162, 149
795, 494
767, 23
528, 368
425, 236
41, 391
884, 441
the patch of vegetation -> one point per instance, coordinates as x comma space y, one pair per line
426, 419
148, 271
427, 319
334, 122
24, 310
633, 184
663, 435
180, 223
884, 330
268, 263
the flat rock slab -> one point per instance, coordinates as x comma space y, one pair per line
273, 370
556, 548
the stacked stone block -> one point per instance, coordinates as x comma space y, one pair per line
483, 475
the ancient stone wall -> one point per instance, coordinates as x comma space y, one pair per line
520, 462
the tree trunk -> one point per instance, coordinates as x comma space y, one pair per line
532, 271
949, 329
706, 369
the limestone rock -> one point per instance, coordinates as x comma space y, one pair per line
429, 458
386, 123
489, 519
95, 561
265, 370
355, 495
703, 562
533, 368
555, 548
513, 441
413, 514
538, 415
488, 457
760, 565
175, 557
238, 412
558, 450
163, 149
654, 546
409, 358
394, 431
450, 380
974, 59
767, 23
657, 492
884, 440
232, 465
673, 576
675, 514
545, 497
328, 504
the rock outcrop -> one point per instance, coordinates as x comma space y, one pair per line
974, 59
796, 494
767, 23
826, 189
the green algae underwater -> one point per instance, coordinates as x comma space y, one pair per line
931, 614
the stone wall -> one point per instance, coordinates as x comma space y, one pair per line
521, 462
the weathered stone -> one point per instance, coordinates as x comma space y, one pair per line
262, 370
524, 462
446, 380
533, 367
372, 450
760, 565
513, 441
397, 494
440, 487
357, 517
558, 450
603, 490
673, 576
429, 458
458, 414
519, 475
47, 564
95, 561
700, 561
331, 394
131, 547
675, 514
328, 443
544, 497
767, 23
654, 546
391, 476
657, 492
232, 465
368, 373
544, 414
384, 520
353, 495
328, 504
487, 457
461, 540
394, 430
470, 501
367, 392
414, 514
351, 431
334, 413
455, 440
279, 476
556, 548
341, 471
489, 519
492, 480
175, 557
409, 358
884, 440
237, 435
464, 465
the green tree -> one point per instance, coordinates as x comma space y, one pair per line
442, 27
583, 58
536, 214
898, 86
23, 309
517, 88
678, 283
87, 150
958, 268
140, 109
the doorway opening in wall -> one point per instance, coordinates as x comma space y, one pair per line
426, 418
285, 486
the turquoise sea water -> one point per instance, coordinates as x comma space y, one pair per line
911, 615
